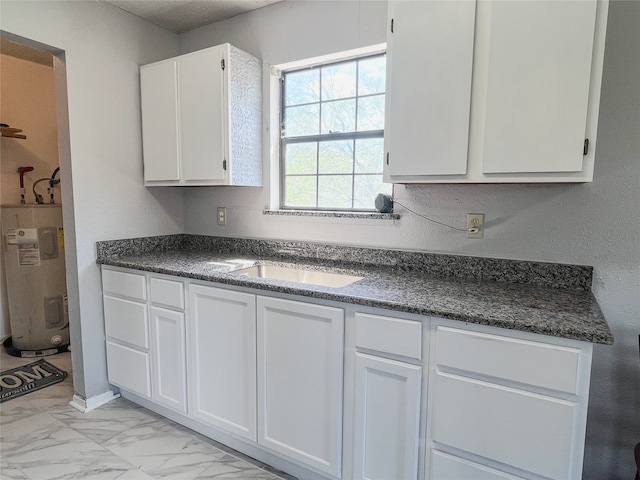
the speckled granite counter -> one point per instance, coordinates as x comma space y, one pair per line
545, 298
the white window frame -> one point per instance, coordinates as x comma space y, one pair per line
276, 174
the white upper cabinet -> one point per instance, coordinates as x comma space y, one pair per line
537, 85
201, 119
533, 102
202, 105
429, 60
159, 96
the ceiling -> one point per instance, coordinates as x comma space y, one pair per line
180, 16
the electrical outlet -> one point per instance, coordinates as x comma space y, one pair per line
475, 225
222, 215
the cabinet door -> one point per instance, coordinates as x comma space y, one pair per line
159, 98
168, 358
539, 69
222, 344
300, 352
429, 63
387, 416
202, 114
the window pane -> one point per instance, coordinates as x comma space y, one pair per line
336, 157
369, 155
302, 120
334, 191
372, 75
301, 158
367, 188
339, 81
302, 87
332, 146
300, 191
339, 116
371, 113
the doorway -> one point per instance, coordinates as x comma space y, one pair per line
35, 167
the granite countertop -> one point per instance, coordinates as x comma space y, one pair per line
544, 298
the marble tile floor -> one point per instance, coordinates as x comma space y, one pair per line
43, 438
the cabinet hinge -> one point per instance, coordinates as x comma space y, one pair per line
224, 164
387, 158
222, 64
585, 148
392, 25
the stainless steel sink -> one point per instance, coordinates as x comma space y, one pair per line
294, 274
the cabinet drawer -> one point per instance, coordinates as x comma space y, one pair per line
449, 467
166, 292
130, 285
126, 321
532, 363
528, 431
128, 368
389, 335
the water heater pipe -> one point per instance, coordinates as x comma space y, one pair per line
22, 171
39, 198
52, 183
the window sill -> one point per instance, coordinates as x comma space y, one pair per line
333, 214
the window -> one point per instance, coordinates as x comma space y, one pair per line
332, 135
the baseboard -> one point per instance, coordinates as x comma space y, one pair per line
86, 405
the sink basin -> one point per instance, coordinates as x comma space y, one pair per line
293, 274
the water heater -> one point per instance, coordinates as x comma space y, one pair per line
33, 245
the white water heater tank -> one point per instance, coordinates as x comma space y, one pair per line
33, 245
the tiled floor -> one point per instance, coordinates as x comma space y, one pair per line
43, 438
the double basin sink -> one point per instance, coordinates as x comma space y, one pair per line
299, 275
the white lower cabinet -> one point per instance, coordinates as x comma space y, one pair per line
168, 358
129, 368
168, 348
386, 419
126, 325
222, 345
145, 329
126, 321
467, 403
449, 467
518, 428
285, 392
386, 384
300, 352
505, 406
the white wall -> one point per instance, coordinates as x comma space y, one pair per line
594, 224
101, 167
